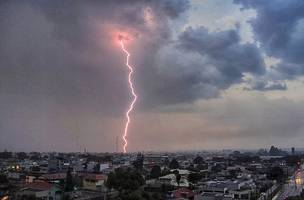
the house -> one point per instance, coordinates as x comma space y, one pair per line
167, 179
85, 195
29, 178
151, 160
15, 175
92, 166
78, 165
170, 179
244, 194
82, 194
242, 189
53, 165
213, 187
212, 196
41, 190
94, 181
182, 172
104, 167
183, 193
185, 163
54, 178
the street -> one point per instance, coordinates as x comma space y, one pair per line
293, 187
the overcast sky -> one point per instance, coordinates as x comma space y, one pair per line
209, 74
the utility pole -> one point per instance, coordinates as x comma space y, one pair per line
116, 143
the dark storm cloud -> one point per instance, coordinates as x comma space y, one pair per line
223, 51
174, 8
73, 20
64, 50
63, 77
200, 64
279, 27
59, 62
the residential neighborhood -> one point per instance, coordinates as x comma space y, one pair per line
207, 175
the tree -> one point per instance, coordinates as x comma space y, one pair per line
198, 160
22, 155
111, 181
177, 176
194, 177
247, 159
145, 195
6, 155
202, 167
166, 162
69, 185
292, 160
275, 173
216, 168
134, 196
139, 162
191, 168
125, 179
36, 169
35, 156
3, 179
28, 197
165, 171
156, 196
173, 164
96, 168
165, 188
155, 171
234, 173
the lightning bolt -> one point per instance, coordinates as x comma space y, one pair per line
131, 106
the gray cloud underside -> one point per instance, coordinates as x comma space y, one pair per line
53, 49
279, 27
61, 51
223, 51
266, 85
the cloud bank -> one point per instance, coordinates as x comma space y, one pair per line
63, 76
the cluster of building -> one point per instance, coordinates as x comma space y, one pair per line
222, 175
44, 176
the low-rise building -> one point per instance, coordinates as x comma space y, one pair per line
41, 190
94, 181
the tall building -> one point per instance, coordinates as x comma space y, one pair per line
292, 150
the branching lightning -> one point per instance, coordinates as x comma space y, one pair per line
131, 106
